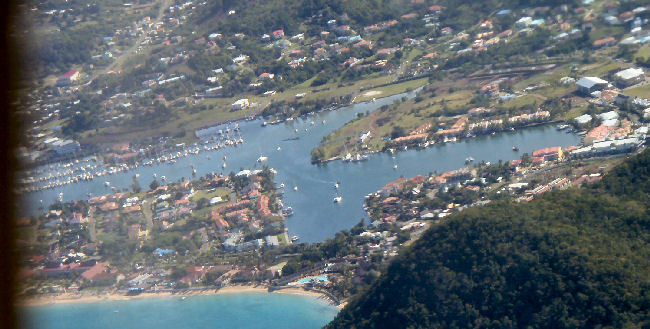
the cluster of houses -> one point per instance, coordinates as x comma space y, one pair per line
463, 128
72, 232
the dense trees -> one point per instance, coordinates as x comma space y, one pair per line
575, 258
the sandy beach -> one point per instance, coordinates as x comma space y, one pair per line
64, 298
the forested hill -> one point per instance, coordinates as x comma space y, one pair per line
578, 258
256, 17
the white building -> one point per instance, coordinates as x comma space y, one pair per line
629, 77
588, 85
240, 104
583, 119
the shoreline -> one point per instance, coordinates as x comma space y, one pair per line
73, 298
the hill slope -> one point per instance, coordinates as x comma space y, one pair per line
576, 258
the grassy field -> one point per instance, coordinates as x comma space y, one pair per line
642, 91
389, 90
601, 69
222, 192
643, 52
523, 100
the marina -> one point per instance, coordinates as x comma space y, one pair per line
315, 215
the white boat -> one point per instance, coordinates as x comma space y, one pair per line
295, 238
395, 167
338, 199
469, 160
279, 149
295, 188
359, 158
336, 185
224, 165
107, 183
262, 159
281, 185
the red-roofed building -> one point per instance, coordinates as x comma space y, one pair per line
266, 76
277, 34
410, 16
109, 206
418, 179
68, 78
263, 206
599, 133
487, 25
395, 185
435, 9
101, 272
549, 153
605, 42
410, 139
421, 129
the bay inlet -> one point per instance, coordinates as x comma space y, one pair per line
309, 189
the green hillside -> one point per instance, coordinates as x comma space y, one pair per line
573, 259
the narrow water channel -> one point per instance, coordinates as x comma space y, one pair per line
316, 215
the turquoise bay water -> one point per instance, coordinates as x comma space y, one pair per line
237, 310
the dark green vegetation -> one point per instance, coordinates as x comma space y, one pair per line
572, 259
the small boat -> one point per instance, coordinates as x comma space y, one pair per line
281, 185
295, 188
359, 158
288, 212
336, 185
395, 167
279, 149
296, 129
262, 159
338, 199
107, 183
515, 148
295, 238
324, 121
224, 165
469, 160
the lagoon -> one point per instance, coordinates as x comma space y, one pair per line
316, 216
